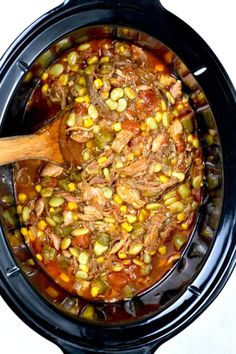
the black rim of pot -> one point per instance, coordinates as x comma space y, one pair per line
70, 335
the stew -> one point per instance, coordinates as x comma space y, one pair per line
113, 225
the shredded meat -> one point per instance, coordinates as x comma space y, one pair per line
121, 140
82, 136
130, 195
51, 170
136, 167
176, 89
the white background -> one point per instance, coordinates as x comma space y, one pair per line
215, 330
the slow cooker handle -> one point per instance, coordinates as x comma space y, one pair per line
150, 4
69, 348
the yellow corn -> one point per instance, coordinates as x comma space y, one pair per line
82, 81
102, 160
98, 83
93, 112
196, 143
138, 262
39, 256
117, 267
79, 99
92, 60
117, 127
123, 209
143, 215
88, 123
42, 225
131, 218
163, 179
106, 172
32, 236
117, 199
162, 250
71, 186
19, 209
94, 291
72, 205
84, 268
24, 231
51, 210
104, 60
44, 88
181, 217
63, 79
22, 197
44, 76
127, 227
64, 277
126, 261
100, 259
38, 188
184, 226
121, 254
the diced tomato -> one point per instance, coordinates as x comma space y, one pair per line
181, 146
53, 182
79, 108
118, 279
131, 126
197, 193
149, 97
81, 241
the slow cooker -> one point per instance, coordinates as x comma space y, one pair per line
209, 259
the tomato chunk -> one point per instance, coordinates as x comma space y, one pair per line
81, 241
118, 279
131, 126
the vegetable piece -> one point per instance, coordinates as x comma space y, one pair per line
102, 138
56, 202
179, 241
99, 249
130, 125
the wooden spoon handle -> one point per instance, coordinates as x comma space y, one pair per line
24, 147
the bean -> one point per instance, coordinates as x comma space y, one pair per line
99, 249
122, 105
86, 155
176, 207
80, 231
151, 123
112, 105
72, 58
197, 182
65, 243
170, 201
130, 93
153, 206
25, 214
56, 202
135, 249
71, 120
84, 46
83, 258
50, 221
92, 60
107, 192
179, 175
184, 191
92, 111
56, 70
81, 275
74, 251
116, 94
46, 192
166, 120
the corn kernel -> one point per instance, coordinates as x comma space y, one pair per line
24, 231
196, 143
44, 88
117, 127
130, 157
64, 277
104, 60
123, 209
63, 79
98, 83
117, 267
121, 254
100, 259
87, 99
142, 126
19, 209
82, 81
180, 217
138, 262
88, 122
79, 99
143, 215
75, 216
84, 46
38, 188
102, 160
190, 138
75, 68
22, 197
94, 291
106, 172
31, 236
163, 105
127, 227
72, 205
126, 261
39, 256
162, 250
44, 76
71, 186
84, 268
131, 218
184, 226
117, 199
42, 225
163, 179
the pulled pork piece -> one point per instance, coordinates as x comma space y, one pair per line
55, 240
51, 170
82, 137
176, 130
39, 206
117, 246
135, 167
151, 240
121, 140
130, 195
155, 187
176, 89
94, 212
95, 194
167, 80
159, 142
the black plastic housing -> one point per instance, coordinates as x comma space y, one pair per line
216, 263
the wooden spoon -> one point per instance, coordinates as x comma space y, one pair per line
48, 143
